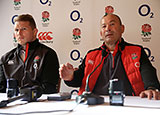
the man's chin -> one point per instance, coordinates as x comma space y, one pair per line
22, 43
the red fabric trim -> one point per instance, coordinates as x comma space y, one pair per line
26, 53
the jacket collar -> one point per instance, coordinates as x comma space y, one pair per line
119, 46
31, 45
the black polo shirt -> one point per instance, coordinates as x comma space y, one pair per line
109, 72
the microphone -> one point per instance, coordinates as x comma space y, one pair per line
27, 94
12, 87
92, 99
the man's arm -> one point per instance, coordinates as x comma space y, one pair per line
77, 76
3, 82
148, 72
50, 73
149, 76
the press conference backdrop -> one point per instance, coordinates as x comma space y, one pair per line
71, 27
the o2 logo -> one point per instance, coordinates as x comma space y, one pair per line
75, 55
13, 19
148, 52
75, 16
44, 2
148, 10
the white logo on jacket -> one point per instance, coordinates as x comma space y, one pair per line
90, 62
10, 62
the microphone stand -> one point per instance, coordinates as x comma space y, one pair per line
5, 102
27, 94
92, 99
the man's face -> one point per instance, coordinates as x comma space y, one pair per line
24, 33
111, 29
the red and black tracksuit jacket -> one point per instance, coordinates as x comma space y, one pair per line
138, 69
40, 67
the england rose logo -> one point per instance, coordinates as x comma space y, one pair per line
146, 30
17, 2
45, 16
76, 33
109, 10
76, 36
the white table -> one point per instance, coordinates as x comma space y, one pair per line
132, 106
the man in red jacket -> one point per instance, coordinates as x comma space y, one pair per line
122, 60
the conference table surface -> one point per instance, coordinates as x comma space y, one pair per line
132, 105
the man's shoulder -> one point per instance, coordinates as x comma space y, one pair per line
94, 50
47, 48
8, 54
133, 44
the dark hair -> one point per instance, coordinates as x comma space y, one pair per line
116, 16
26, 17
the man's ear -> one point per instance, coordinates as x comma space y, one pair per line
35, 31
101, 33
122, 28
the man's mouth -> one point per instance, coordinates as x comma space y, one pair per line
108, 34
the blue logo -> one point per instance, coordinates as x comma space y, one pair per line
147, 9
150, 57
44, 2
13, 19
75, 55
75, 16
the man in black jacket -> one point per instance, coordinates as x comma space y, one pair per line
30, 63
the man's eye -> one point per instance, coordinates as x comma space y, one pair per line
24, 28
112, 24
16, 30
103, 26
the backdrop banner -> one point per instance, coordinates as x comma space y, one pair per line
72, 27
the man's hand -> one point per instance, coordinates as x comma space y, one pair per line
150, 94
66, 72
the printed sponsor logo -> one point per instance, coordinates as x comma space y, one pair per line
75, 56
13, 19
90, 62
45, 37
45, 18
46, 2
76, 16
145, 10
109, 10
76, 2
146, 32
17, 4
149, 54
76, 36
36, 59
137, 64
134, 56
10, 62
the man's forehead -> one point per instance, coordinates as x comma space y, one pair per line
110, 18
21, 23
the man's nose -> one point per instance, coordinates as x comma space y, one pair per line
20, 32
107, 28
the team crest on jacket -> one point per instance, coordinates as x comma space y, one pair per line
134, 56
36, 59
